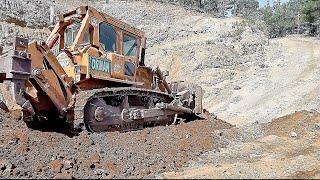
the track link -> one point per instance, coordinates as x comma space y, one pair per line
84, 97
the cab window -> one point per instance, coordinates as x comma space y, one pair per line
70, 35
107, 37
87, 38
129, 45
56, 48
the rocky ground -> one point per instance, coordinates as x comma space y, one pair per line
287, 147
27, 153
249, 80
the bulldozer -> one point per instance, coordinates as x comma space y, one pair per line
91, 73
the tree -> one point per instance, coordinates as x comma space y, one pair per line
283, 19
246, 8
312, 15
312, 11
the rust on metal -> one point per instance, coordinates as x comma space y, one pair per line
91, 73
2, 77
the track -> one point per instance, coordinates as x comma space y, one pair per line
88, 101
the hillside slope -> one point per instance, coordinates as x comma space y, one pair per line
246, 77
289, 81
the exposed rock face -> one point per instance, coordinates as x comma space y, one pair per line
29, 19
29, 13
220, 8
247, 78
9, 31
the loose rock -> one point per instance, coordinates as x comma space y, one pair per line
63, 175
56, 166
293, 134
5, 165
67, 164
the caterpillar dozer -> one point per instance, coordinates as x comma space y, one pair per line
91, 73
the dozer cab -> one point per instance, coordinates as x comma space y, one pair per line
91, 73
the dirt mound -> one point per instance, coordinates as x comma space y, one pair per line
288, 147
137, 154
302, 123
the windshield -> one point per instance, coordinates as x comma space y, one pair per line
107, 37
70, 35
129, 45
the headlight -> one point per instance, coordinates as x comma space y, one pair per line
117, 67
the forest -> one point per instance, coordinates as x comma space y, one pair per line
280, 19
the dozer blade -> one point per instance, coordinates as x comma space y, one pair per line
15, 70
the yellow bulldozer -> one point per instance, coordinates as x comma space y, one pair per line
91, 73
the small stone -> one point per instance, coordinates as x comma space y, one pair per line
146, 171
39, 169
22, 137
318, 156
293, 134
95, 158
63, 175
237, 88
6, 172
17, 171
4, 165
213, 116
188, 136
56, 166
317, 125
92, 142
67, 164
92, 166
110, 176
101, 172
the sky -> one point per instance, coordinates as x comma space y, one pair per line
264, 2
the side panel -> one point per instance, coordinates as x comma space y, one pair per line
144, 75
99, 67
112, 66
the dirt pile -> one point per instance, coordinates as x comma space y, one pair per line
27, 153
246, 76
287, 147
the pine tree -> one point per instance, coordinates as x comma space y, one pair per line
312, 15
